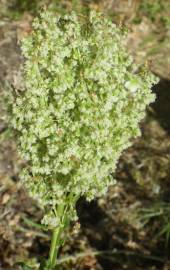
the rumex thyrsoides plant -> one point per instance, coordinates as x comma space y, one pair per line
82, 105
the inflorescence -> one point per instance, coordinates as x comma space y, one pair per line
83, 103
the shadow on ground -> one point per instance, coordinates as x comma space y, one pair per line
162, 104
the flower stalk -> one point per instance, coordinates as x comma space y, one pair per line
54, 247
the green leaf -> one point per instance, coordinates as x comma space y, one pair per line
31, 223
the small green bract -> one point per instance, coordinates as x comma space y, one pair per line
83, 103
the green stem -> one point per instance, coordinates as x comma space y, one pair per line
61, 212
54, 246
56, 237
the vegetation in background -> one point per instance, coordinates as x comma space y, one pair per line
158, 212
152, 9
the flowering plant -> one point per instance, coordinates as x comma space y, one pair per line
83, 103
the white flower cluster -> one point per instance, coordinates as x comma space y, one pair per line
83, 101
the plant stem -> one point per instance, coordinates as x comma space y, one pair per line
54, 246
56, 242
56, 237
